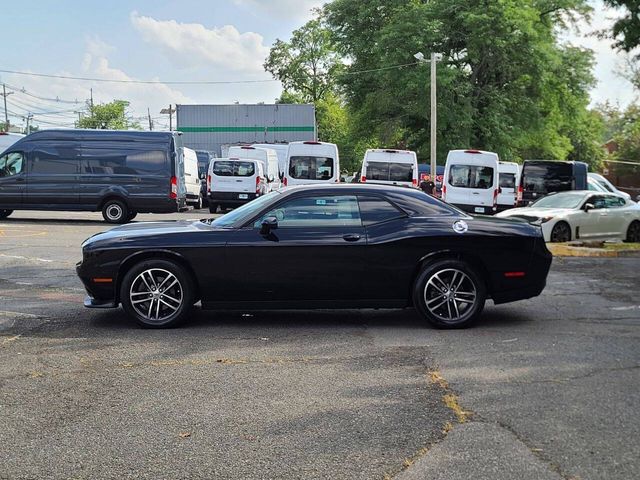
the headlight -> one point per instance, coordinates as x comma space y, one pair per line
545, 219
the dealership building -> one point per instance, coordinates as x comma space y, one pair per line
216, 127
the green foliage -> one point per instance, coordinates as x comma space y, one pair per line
108, 116
628, 138
626, 30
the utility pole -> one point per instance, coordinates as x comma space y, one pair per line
168, 111
29, 117
433, 118
150, 121
6, 115
91, 101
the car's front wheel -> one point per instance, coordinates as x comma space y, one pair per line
157, 293
561, 232
198, 204
633, 232
449, 294
5, 213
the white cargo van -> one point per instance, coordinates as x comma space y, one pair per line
234, 181
390, 167
471, 180
267, 156
192, 178
312, 162
508, 181
281, 151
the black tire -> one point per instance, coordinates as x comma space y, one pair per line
449, 294
205, 202
633, 232
561, 232
5, 213
132, 215
198, 204
170, 306
213, 207
115, 211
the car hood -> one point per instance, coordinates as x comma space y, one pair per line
132, 232
533, 213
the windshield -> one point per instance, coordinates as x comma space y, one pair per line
246, 211
547, 177
559, 201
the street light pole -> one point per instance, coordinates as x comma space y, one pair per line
6, 115
434, 113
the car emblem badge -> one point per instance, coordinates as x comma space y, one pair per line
460, 226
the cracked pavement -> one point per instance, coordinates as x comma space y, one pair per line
552, 382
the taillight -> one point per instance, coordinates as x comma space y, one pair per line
284, 181
363, 179
209, 183
174, 188
444, 191
495, 197
258, 179
519, 196
414, 182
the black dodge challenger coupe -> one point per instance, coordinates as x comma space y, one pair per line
329, 246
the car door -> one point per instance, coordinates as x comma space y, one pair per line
618, 217
592, 223
12, 179
315, 257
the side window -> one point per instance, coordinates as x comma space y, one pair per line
376, 210
123, 161
55, 160
614, 202
598, 201
11, 164
320, 211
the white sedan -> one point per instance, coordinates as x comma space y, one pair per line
582, 215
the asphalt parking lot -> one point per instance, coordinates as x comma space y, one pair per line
543, 388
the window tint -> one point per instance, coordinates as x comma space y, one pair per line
507, 180
226, 168
325, 211
113, 161
55, 160
615, 202
547, 177
471, 176
598, 201
11, 164
389, 171
376, 210
311, 168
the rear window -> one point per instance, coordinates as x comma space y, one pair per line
544, 178
311, 168
471, 176
224, 168
507, 180
389, 171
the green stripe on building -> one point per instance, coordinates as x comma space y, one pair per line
244, 129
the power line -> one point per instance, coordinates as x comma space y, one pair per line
54, 100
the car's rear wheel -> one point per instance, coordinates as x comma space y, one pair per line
633, 232
132, 215
157, 293
5, 213
198, 204
115, 211
561, 232
449, 294
213, 207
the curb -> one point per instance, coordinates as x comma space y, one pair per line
564, 250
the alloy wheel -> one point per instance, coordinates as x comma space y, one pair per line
633, 233
561, 233
450, 294
156, 294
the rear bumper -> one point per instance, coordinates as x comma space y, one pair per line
231, 198
472, 209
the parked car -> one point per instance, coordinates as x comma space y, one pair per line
508, 178
594, 186
121, 173
471, 181
7, 139
583, 215
541, 177
312, 163
403, 248
390, 167
607, 185
233, 181
192, 181
267, 156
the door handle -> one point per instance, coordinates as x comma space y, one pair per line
476, 193
19, 179
352, 237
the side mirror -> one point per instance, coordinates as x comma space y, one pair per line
268, 224
589, 206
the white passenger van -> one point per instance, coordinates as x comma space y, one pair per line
508, 181
390, 167
312, 162
192, 179
281, 151
471, 181
267, 156
233, 181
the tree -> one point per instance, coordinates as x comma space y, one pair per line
109, 116
626, 30
306, 65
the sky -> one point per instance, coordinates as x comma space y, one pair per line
192, 40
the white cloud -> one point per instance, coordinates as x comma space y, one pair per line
194, 45
293, 9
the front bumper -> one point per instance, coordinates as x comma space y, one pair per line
91, 302
99, 295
